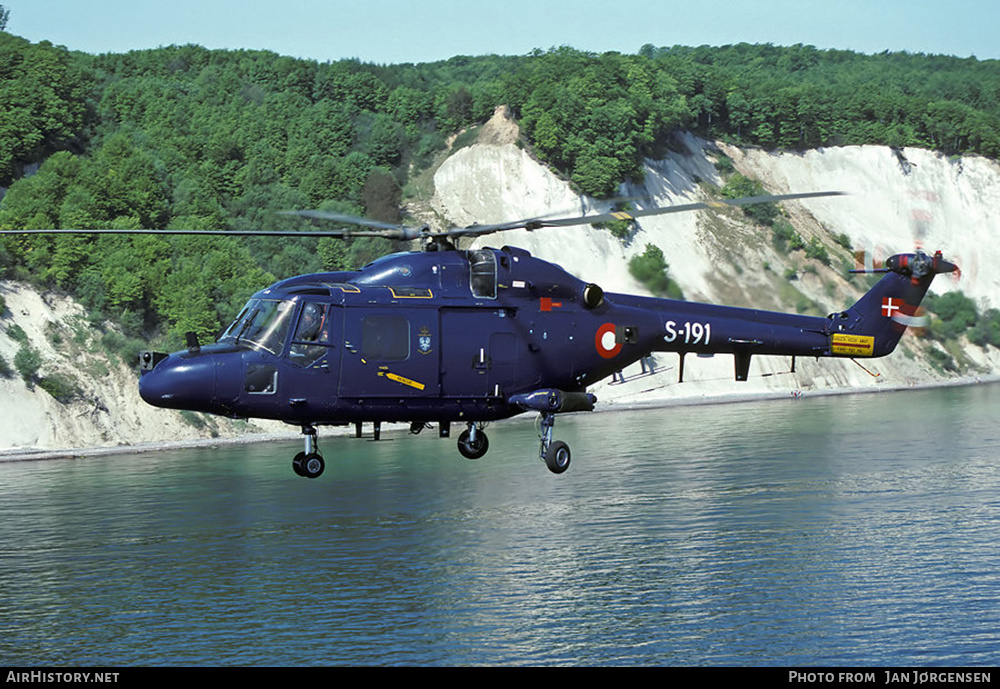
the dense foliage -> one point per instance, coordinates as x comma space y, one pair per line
801, 97
43, 103
956, 314
651, 269
188, 137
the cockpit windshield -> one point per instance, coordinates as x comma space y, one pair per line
263, 323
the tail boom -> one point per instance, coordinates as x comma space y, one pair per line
870, 328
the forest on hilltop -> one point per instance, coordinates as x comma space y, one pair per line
186, 137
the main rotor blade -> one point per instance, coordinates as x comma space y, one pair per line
538, 223
404, 232
341, 233
389, 230
401, 232
685, 208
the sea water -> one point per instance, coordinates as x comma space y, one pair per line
846, 530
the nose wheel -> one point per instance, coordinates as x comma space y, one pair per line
473, 443
309, 464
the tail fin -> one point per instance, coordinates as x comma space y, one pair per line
874, 325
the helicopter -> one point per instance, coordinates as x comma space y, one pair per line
465, 337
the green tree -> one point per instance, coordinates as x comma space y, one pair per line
43, 102
738, 186
956, 314
986, 331
27, 362
815, 249
597, 175
650, 268
381, 196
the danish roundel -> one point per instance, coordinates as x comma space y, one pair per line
605, 341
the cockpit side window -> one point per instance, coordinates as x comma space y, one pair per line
313, 325
483, 274
312, 334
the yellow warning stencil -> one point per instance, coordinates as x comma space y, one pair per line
852, 345
395, 377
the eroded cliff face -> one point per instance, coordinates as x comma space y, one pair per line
895, 200
106, 410
899, 198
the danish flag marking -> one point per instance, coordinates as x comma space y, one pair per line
890, 305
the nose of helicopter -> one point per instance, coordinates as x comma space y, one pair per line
180, 382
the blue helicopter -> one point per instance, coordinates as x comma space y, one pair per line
447, 336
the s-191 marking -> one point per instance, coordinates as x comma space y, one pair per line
692, 332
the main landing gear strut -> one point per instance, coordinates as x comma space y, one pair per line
310, 463
549, 402
555, 453
473, 444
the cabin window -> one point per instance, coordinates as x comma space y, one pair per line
483, 274
385, 338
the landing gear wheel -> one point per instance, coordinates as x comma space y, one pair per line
308, 465
473, 449
557, 457
297, 463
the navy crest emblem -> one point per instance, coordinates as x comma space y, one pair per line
425, 343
